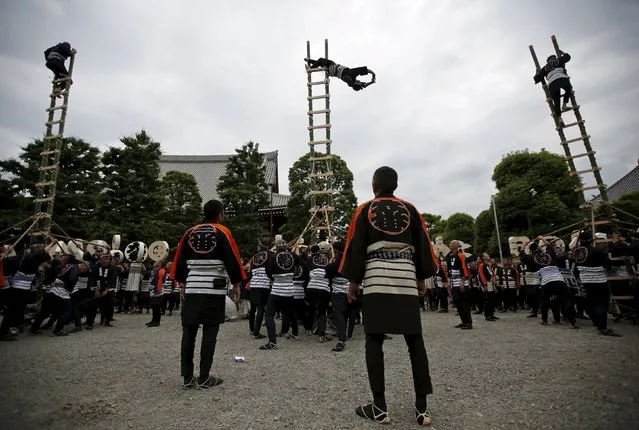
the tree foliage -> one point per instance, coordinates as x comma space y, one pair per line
77, 190
628, 209
299, 204
131, 203
436, 224
243, 189
183, 204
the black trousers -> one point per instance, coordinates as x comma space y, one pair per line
259, 298
207, 350
292, 319
106, 307
478, 299
144, 300
168, 300
17, 300
596, 302
433, 299
277, 304
59, 71
340, 314
510, 299
555, 296
318, 305
443, 297
53, 306
92, 303
77, 305
156, 308
127, 301
462, 302
532, 295
489, 303
555, 88
418, 359
177, 300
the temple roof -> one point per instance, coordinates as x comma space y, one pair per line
627, 184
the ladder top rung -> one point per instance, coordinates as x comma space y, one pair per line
577, 139
51, 167
572, 157
315, 112
581, 172
320, 142
57, 121
52, 137
325, 81
323, 96
324, 158
56, 108
49, 152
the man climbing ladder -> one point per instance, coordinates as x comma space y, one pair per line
557, 78
55, 57
344, 73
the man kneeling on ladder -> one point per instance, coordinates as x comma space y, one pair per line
344, 73
56, 56
557, 78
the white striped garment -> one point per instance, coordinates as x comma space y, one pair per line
144, 285
202, 275
510, 282
550, 274
592, 275
318, 280
81, 284
57, 288
22, 281
336, 70
456, 278
298, 290
122, 283
340, 285
532, 278
390, 277
439, 282
259, 279
283, 285
167, 286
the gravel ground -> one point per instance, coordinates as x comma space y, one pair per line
512, 374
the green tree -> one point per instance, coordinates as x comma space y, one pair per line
536, 194
77, 190
243, 189
299, 205
183, 204
131, 204
460, 226
628, 209
436, 224
484, 228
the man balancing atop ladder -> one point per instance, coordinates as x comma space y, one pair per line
344, 73
557, 78
56, 56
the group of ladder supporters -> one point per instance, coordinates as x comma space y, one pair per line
567, 284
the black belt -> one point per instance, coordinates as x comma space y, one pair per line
390, 255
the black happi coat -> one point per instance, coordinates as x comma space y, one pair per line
388, 249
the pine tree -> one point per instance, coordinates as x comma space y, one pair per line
243, 189
299, 205
131, 204
183, 204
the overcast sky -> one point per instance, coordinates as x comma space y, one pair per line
454, 91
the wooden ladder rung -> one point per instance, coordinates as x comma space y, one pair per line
316, 112
320, 192
622, 278
602, 222
57, 121
51, 109
49, 152
51, 167
324, 82
585, 154
55, 81
572, 124
320, 142
576, 107
52, 137
45, 184
44, 199
315, 127
324, 158
323, 96
591, 187
577, 139
581, 172
316, 69
321, 175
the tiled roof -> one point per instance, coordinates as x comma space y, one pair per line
626, 184
207, 170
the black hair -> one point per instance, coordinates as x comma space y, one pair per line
212, 210
386, 179
533, 247
339, 246
315, 249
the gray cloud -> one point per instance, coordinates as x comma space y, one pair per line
454, 91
